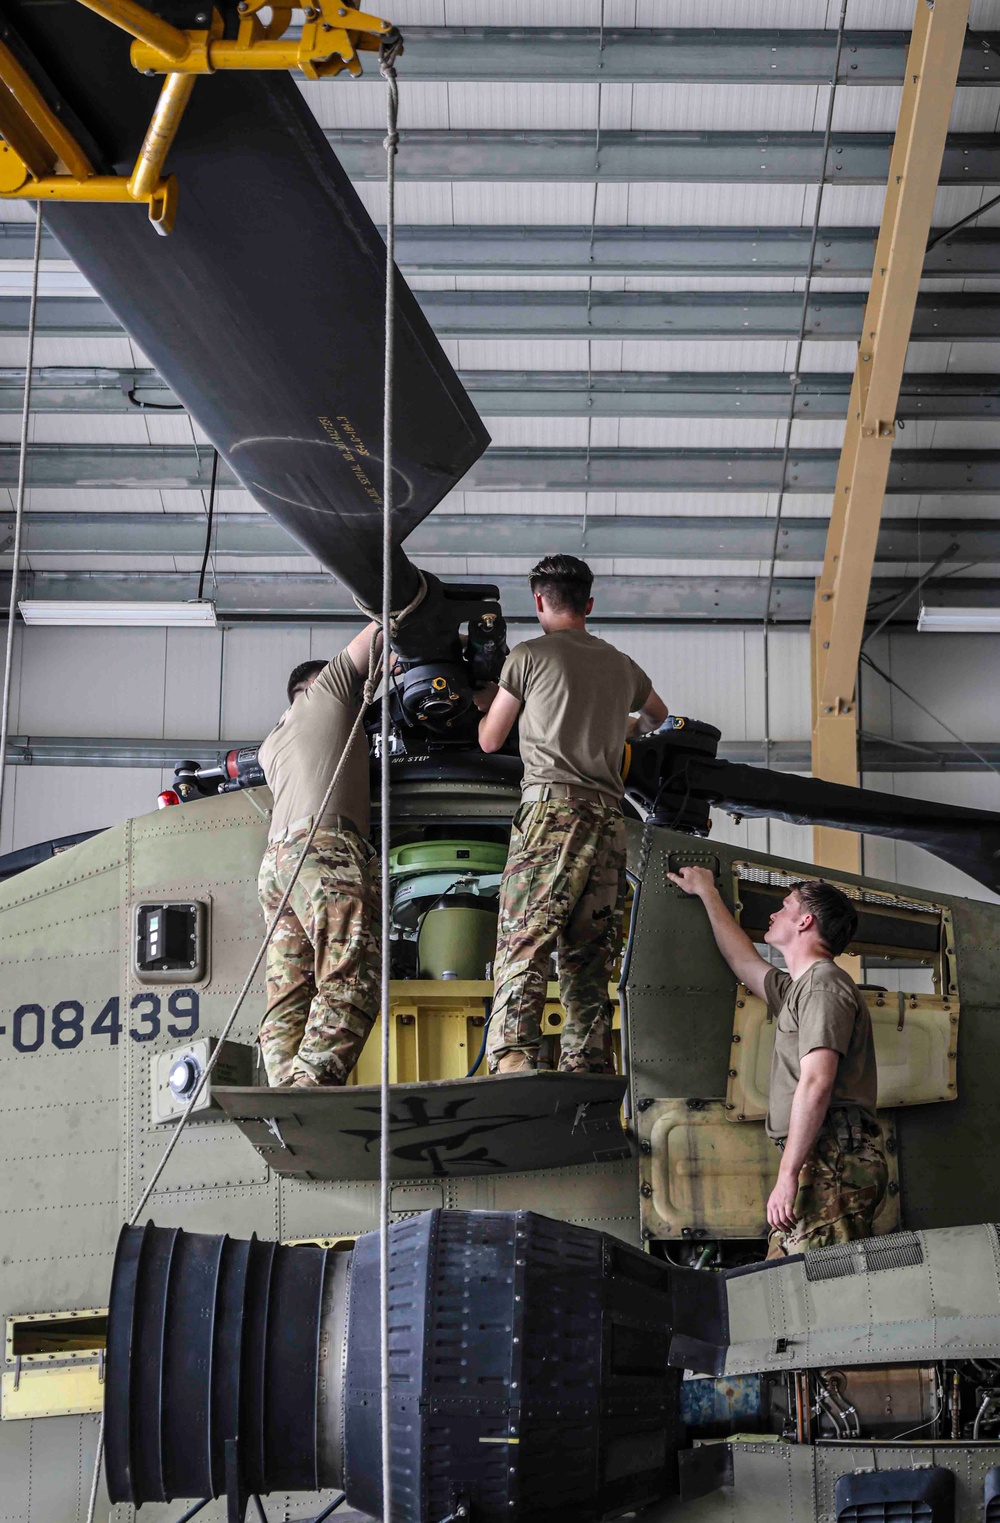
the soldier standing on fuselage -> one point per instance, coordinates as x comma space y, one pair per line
323, 959
564, 882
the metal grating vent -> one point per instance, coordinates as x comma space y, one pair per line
896, 1250
991, 1491
922, 1494
769, 877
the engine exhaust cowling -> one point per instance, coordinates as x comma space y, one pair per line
528, 1369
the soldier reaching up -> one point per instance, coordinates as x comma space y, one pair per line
821, 1102
323, 959
564, 883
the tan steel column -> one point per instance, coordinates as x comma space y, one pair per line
843, 588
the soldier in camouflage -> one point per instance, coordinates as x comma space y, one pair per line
840, 1187
563, 887
323, 958
824, 1081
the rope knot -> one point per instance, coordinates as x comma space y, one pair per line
398, 616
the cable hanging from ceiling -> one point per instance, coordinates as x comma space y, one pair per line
208, 526
22, 473
377, 664
794, 381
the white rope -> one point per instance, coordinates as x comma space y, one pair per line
396, 618
374, 667
387, 57
96, 1477
389, 621
22, 472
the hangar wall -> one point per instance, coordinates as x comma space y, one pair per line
228, 685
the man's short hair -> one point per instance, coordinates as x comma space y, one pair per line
302, 673
835, 916
564, 580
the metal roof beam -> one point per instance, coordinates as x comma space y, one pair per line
121, 467
877, 755
309, 596
710, 394
763, 158
563, 393
508, 534
835, 315
689, 55
312, 597
531, 250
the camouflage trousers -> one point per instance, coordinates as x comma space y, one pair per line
563, 887
323, 959
840, 1190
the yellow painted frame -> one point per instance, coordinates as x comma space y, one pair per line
61, 1384
893, 1014
60, 1391
731, 1170
842, 590
437, 1029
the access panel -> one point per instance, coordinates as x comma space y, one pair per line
511, 1122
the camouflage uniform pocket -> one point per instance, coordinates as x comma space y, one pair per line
839, 1192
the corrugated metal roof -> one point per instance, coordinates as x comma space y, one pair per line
769, 106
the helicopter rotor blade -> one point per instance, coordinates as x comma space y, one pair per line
263, 310
969, 839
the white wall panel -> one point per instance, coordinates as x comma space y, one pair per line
43, 803
191, 684
92, 682
907, 864
255, 667
957, 677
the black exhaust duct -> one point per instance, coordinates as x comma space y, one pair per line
528, 1359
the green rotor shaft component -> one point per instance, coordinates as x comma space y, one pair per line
439, 856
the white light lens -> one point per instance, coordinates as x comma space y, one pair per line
959, 621
52, 611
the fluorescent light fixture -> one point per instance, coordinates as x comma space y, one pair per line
959, 621
53, 280
131, 615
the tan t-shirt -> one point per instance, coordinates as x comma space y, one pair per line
302, 751
820, 1008
577, 693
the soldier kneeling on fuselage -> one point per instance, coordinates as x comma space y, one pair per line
821, 1101
323, 959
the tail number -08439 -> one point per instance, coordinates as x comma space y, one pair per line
67, 1023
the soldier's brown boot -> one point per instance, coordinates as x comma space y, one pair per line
515, 1063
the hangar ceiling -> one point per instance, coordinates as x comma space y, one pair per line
609, 225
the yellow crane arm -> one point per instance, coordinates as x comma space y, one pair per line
41, 160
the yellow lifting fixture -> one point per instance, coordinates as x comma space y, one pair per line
41, 160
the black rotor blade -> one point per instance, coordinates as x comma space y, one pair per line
263, 310
967, 838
